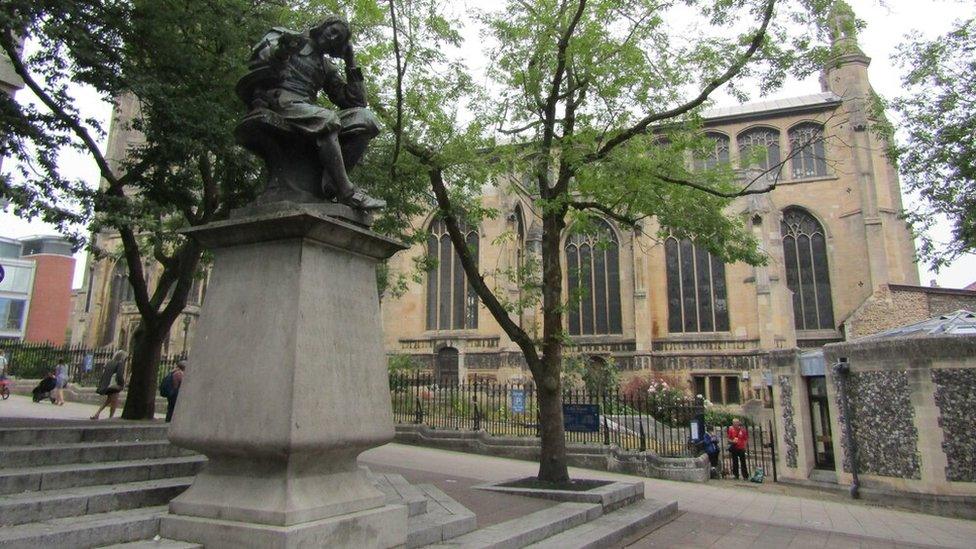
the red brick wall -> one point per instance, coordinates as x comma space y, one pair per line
50, 305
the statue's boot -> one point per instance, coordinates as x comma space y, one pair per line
363, 201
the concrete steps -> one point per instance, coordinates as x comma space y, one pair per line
88, 484
74, 475
443, 520
84, 531
529, 529
87, 452
613, 527
47, 504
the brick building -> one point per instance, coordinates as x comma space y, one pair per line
35, 290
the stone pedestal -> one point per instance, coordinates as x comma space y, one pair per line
286, 386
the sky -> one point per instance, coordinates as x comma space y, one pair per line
888, 21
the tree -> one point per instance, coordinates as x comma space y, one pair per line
938, 157
599, 103
178, 61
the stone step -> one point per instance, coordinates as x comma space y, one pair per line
59, 477
528, 529
613, 527
40, 506
443, 520
88, 432
400, 492
155, 543
86, 452
82, 532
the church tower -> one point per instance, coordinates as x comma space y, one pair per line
890, 247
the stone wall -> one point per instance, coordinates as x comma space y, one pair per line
955, 395
882, 419
894, 305
789, 426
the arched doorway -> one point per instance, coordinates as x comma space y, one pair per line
447, 366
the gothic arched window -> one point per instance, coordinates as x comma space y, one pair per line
759, 147
593, 271
119, 291
805, 254
697, 300
716, 155
807, 150
451, 302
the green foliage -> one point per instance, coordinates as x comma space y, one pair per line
938, 158
596, 374
721, 418
400, 364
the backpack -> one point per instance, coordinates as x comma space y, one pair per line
166, 388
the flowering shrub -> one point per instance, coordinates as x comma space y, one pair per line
661, 396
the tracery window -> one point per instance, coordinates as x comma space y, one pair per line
807, 150
764, 140
452, 303
807, 275
715, 156
593, 272
697, 300
120, 291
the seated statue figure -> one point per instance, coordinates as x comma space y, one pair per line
309, 149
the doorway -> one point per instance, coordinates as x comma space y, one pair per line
823, 443
447, 366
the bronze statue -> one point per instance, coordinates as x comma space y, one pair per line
309, 149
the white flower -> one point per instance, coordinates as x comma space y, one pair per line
651, 389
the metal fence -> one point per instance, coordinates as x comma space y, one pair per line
631, 422
34, 360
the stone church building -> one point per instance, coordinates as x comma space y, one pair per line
831, 229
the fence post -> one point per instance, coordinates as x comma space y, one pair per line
643, 439
418, 413
772, 448
606, 431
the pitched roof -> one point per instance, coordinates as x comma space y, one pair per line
776, 106
961, 322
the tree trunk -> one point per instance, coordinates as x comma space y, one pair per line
553, 466
552, 460
140, 403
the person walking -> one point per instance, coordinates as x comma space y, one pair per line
738, 437
61, 380
170, 388
111, 383
710, 443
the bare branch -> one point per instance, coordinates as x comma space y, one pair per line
605, 210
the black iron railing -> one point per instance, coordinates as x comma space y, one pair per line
34, 360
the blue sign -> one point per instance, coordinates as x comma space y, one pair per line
2, 273
518, 400
87, 363
581, 418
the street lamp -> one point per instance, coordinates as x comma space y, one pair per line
186, 329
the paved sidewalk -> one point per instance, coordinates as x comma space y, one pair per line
723, 516
19, 406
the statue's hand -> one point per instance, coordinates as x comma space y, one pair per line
348, 56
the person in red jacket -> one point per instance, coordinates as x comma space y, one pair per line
738, 437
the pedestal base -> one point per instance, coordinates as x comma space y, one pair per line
376, 528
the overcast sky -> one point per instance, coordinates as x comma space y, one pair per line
887, 23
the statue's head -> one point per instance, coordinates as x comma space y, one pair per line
331, 35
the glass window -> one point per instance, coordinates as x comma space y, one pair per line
715, 389
452, 303
16, 278
759, 147
700, 388
731, 389
807, 150
807, 274
697, 300
593, 285
12, 313
716, 155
